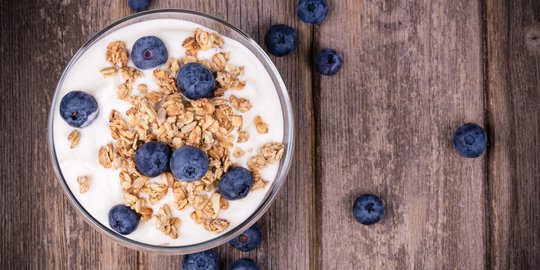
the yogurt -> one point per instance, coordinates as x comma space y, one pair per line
104, 184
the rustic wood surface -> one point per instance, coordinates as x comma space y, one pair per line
414, 71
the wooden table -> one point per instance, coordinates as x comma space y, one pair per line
414, 71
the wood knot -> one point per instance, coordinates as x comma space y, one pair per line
532, 39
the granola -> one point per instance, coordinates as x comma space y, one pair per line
73, 138
164, 115
83, 184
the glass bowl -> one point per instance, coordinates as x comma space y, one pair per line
224, 29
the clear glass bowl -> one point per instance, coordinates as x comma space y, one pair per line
224, 29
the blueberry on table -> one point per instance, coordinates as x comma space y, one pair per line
139, 5
123, 219
248, 240
78, 109
204, 260
196, 81
189, 163
470, 140
280, 40
328, 61
235, 183
244, 264
312, 11
368, 209
152, 158
149, 52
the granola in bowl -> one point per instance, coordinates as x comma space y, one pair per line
239, 125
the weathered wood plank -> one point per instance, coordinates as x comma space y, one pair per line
43, 230
412, 75
513, 94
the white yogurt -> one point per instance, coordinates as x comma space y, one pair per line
105, 191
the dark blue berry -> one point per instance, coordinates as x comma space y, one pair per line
244, 264
196, 81
78, 109
312, 11
470, 140
368, 209
328, 61
123, 219
149, 52
189, 163
152, 158
280, 40
204, 260
248, 240
139, 5
235, 183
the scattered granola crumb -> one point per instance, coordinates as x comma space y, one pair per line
83, 184
109, 71
74, 137
130, 74
240, 104
250, 149
117, 53
242, 136
270, 153
238, 152
142, 88
262, 127
166, 223
124, 90
173, 66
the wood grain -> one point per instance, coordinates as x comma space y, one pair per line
513, 95
414, 71
43, 230
412, 75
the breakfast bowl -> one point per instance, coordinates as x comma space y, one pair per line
247, 122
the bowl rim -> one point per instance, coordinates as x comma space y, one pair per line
269, 198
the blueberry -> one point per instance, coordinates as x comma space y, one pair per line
328, 61
368, 209
152, 158
312, 11
470, 140
204, 260
78, 109
123, 219
244, 264
280, 40
189, 163
149, 52
196, 81
139, 5
248, 240
235, 183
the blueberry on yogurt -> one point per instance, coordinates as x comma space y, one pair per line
189, 163
248, 240
280, 40
312, 11
196, 81
152, 158
123, 219
78, 109
244, 264
149, 52
235, 183
204, 260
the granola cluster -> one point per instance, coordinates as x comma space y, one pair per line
164, 115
